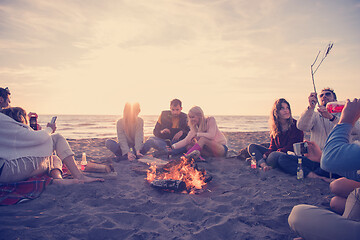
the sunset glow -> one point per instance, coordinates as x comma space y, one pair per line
231, 57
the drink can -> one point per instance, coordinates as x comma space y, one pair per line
335, 107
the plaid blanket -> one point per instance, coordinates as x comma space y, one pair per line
12, 193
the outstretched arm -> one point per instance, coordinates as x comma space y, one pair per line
339, 155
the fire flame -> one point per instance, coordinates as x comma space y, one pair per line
184, 171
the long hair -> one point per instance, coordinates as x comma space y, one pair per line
130, 116
16, 113
197, 111
275, 126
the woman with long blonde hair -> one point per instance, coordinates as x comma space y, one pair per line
130, 134
283, 134
204, 136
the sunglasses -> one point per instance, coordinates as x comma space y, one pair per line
328, 94
7, 90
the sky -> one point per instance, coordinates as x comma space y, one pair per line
230, 57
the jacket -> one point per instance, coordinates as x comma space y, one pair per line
166, 121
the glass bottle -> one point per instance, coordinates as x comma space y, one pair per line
83, 162
169, 148
253, 161
299, 172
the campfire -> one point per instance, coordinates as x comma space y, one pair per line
179, 175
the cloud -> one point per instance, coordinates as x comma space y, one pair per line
155, 50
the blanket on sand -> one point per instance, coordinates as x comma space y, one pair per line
13, 193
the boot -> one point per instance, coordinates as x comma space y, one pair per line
196, 148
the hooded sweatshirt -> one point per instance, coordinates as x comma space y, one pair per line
18, 140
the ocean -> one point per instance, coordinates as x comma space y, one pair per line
104, 126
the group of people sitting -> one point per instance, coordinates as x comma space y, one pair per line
175, 133
340, 156
24, 152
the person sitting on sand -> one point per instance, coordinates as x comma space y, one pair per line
319, 124
130, 134
25, 153
283, 134
342, 157
204, 135
340, 187
171, 126
4, 98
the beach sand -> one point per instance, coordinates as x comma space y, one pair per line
237, 204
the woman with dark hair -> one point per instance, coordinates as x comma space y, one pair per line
25, 153
283, 134
16, 113
130, 134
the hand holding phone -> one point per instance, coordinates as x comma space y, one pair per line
53, 120
52, 124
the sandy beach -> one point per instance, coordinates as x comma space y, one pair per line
237, 204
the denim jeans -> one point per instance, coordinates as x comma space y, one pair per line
114, 147
289, 164
160, 145
259, 150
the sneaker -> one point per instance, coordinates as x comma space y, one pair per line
195, 155
243, 154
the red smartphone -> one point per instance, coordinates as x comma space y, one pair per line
33, 122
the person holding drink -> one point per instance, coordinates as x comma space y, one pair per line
342, 157
319, 123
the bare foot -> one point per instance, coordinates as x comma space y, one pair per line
314, 175
86, 179
265, 167
66, 182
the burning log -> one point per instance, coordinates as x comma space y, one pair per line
178, 175
169, 184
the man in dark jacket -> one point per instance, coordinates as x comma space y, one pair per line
171, 127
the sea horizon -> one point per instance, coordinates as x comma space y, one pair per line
82, 126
